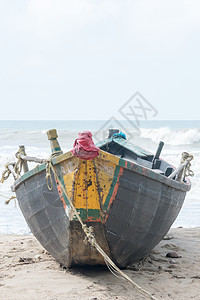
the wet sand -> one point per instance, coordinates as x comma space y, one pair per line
27, 271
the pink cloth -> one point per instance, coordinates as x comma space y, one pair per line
84, 146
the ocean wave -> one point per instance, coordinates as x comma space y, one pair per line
172, 136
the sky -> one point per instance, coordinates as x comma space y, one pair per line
83, 59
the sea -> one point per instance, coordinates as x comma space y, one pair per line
178, 136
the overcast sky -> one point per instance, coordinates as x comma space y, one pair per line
83, 59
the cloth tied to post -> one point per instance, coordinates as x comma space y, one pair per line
84, 146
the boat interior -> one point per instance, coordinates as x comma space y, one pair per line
123, 149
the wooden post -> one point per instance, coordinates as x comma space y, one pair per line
157, 155
55, 147
112, 131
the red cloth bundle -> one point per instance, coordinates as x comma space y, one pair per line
84, 146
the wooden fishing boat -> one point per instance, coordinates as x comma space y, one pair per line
125, 193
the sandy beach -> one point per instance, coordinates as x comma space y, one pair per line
27, 271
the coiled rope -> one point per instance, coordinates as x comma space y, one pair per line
90, 238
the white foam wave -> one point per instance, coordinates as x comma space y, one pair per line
172, 136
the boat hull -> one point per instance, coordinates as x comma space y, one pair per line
136, 209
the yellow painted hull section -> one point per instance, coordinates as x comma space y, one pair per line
88, 182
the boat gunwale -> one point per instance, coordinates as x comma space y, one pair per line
121, 162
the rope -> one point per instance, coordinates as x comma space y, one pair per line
16, 167
8, 199
6, 173
11, 198
19, 163
187, 171
90, 238
48, 175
